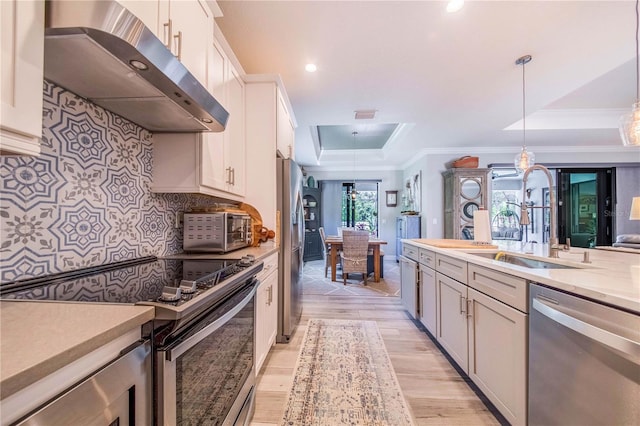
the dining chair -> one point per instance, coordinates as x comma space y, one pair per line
343, 228
353, 257
325, 251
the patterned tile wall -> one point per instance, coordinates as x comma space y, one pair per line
86, 199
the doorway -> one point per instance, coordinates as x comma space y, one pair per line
584, 197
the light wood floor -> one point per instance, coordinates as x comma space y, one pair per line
436, 393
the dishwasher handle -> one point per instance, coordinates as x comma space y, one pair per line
604, 337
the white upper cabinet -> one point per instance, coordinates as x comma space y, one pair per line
208, 163
187, 29
270, 125
226, 169
22, 62
184, 26
285, 129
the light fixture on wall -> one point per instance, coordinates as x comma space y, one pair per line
524, 159
354, 193
630, 123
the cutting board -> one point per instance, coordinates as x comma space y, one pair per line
446, 243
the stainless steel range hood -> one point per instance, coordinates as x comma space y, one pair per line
92, 48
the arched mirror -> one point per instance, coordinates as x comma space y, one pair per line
470, 189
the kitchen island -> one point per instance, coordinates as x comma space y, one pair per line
476, 302
612, 277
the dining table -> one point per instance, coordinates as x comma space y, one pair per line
336, 245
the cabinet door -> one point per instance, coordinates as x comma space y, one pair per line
272, 323
213, 172
234, 133
262, 300
284, 129
192, 28
22, 67
409, 286
452, 319
428, 299
266, 318
497, 354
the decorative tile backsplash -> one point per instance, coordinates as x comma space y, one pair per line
86, 199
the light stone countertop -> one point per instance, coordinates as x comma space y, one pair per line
260, 252
39, 337
612, 277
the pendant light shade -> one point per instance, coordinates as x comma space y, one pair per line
524, 159
630, 123
630, 127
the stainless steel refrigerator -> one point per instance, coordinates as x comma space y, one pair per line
291, 247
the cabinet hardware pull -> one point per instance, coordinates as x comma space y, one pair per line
228, 170
177, 39
463, 304
167, 34
233, 176
470, 309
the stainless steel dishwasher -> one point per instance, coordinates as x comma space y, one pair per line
584, 361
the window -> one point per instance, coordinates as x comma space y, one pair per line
361, 213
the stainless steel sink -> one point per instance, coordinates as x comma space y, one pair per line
525, 262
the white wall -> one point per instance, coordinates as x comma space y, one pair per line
389, 181
432, 165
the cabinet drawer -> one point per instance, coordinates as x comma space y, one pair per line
270, 265
410, 251
427, 258
453, 268
504, 287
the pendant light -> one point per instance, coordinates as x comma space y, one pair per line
524, 159
354, 193
630, 123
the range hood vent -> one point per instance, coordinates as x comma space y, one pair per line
99, 50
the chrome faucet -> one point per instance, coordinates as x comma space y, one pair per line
524, 215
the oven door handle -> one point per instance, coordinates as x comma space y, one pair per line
174, 353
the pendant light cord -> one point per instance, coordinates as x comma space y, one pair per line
637, 54
524, 119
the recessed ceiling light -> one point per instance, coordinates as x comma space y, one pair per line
454, 5
310, 67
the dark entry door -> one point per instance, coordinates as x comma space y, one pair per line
585, 200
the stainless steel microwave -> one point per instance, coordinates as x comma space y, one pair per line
217, 232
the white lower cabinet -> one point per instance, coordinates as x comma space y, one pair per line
428, 298
452, 319
498, 354
266, 310
483, 331
409, 285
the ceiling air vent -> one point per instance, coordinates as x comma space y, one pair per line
365, 114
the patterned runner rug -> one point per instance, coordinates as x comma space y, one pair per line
344, 377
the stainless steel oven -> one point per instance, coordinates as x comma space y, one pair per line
202, 335
205, 373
